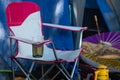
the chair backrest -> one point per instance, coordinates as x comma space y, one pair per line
24, 21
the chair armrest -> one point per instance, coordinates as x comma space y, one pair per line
29, 41
71, 28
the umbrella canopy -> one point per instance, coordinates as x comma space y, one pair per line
107, 39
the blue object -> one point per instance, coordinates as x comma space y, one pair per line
108, 15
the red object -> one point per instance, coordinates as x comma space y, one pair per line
17, 19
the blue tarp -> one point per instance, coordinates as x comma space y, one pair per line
108, 15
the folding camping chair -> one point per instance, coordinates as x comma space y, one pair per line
25, 25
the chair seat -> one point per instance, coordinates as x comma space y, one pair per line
48, 55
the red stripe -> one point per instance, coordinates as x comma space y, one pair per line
15, 10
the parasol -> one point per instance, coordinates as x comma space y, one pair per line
110, 40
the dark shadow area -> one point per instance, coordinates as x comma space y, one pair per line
89, 21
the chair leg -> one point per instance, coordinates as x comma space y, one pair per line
62, 69
47, 72
13, 72
42, 68
31, 68
75, 65
55, 75
12, 64
66, 74
23, 70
